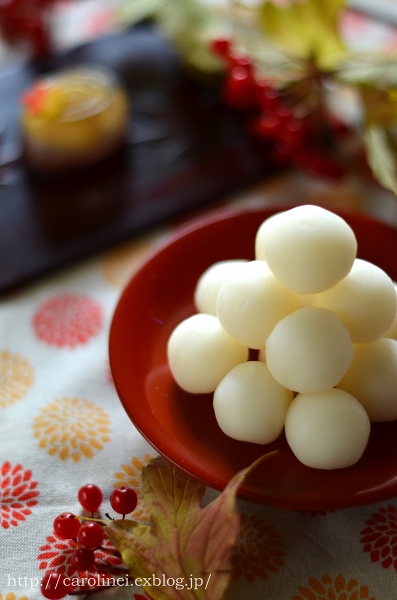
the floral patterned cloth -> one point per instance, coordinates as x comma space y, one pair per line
62, 425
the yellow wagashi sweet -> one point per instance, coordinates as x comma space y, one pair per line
73, 118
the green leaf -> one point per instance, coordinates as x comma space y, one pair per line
187, 542
306, 28
381, 157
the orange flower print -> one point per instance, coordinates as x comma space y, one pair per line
72, 428
12, 596
131, 476
333, 589
68, 320
380, 537
259, 550
16, 377
55, 555
18, 494
119, 265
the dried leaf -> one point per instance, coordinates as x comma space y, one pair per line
187, 543
381, 157
307, 28
369, 67
380, 106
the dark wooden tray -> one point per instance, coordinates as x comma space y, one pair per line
184, 150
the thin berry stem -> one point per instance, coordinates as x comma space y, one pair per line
108, 550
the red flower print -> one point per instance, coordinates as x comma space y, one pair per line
55, 555
259, 550
380, 537
333, 589
68, 320
18, 494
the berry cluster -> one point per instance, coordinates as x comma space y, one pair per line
26, 23
294, 136
88, 534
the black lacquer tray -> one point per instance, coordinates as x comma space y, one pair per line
184, 149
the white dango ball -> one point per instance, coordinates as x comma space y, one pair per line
365, 301
392, 331
327, 430
201, 353
260, 237
249, 306
250, 405
309, 249
372, 378
211, 281
309, 351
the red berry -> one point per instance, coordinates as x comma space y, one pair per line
54, 587
95, 581
295, 132
267, 96
90, 534
239, 89
240, 61
220, 46
283, 112
90, 497
83, 558
269, 126
66, 525
123, 500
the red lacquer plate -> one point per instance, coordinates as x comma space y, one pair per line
182, 426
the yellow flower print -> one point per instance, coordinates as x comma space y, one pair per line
131, 476
119, 265
72, 428
333, 589
12, 596
16, 377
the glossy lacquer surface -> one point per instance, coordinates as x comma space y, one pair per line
181, 426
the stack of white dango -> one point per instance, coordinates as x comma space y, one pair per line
323, 322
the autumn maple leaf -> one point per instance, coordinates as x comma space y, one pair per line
188, 544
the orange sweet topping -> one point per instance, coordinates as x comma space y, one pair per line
35, 98
41, 100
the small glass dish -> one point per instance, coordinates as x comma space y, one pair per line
72, 119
